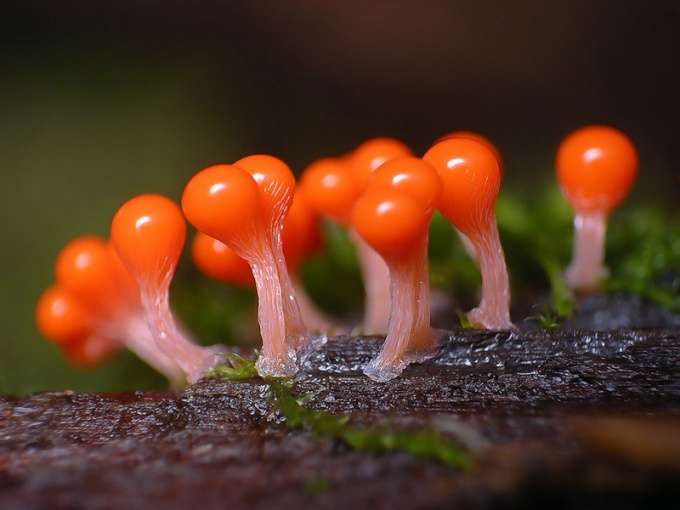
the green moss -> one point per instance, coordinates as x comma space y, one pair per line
643, 253
238, 368
378, 437
463, 319
375, 437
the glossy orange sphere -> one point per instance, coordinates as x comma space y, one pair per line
330, 188
409, 174
301, 234
217, 261
61, 317
475, 136
148, 232
373, 153
275, 180
391, 221
125, 280
90, 353
223, 201
87, 267
596, 168
471, 180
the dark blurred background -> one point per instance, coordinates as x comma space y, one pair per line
100, 101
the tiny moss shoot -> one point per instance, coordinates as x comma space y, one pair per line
237, 369
463, 319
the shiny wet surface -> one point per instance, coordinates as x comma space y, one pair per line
563, 419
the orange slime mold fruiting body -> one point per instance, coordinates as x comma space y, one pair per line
61, 318
277, 185
366, 158
217, 261
244, 206
596, 168
480, 138
467, 244
148, 232
393, 217
471, 179
301, 235
362, 162
395, 224
332, 187
89, 268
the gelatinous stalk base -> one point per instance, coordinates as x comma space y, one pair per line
493, 311
410, 339
587, 264
192, 359
286, 341
137, 338
376, 277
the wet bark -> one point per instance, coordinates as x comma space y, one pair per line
571, 419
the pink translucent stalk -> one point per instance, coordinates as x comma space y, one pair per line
587, 265
285, 338
493, 311
471, 178
148, 233
244, 206
135, 335
410, 339
468, 246
192, 359
298, 332
281, 356
92, 272
376, 278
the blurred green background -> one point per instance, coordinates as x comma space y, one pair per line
103, 101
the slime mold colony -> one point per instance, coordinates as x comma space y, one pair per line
256, 225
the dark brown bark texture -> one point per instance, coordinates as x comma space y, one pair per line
568, 419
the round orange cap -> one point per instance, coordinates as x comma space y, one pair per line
596, 168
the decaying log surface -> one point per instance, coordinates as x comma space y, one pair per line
562, 420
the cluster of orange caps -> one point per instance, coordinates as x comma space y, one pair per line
255, 227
